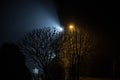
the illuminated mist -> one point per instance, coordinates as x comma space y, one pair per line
25, 15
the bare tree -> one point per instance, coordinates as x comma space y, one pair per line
77, 46
41, 45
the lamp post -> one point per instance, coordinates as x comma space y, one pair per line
75, 30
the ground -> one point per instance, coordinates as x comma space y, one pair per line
92, 78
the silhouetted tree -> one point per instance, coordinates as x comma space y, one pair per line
13, 63
56, 70
41, 45
78, 46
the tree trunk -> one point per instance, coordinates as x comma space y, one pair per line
114, 68
66, 74
45, 74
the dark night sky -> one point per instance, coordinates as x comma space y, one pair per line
100, 15
20, 16
98, 12
94, 13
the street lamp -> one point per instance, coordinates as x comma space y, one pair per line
75, 31
71, 27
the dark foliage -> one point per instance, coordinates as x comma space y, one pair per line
13, 63
56, 70
41, 46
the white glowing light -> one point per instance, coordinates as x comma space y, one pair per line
35, 71
53, 55
60, 29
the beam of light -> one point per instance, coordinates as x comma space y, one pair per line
59, 29
43, 15
27, 15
